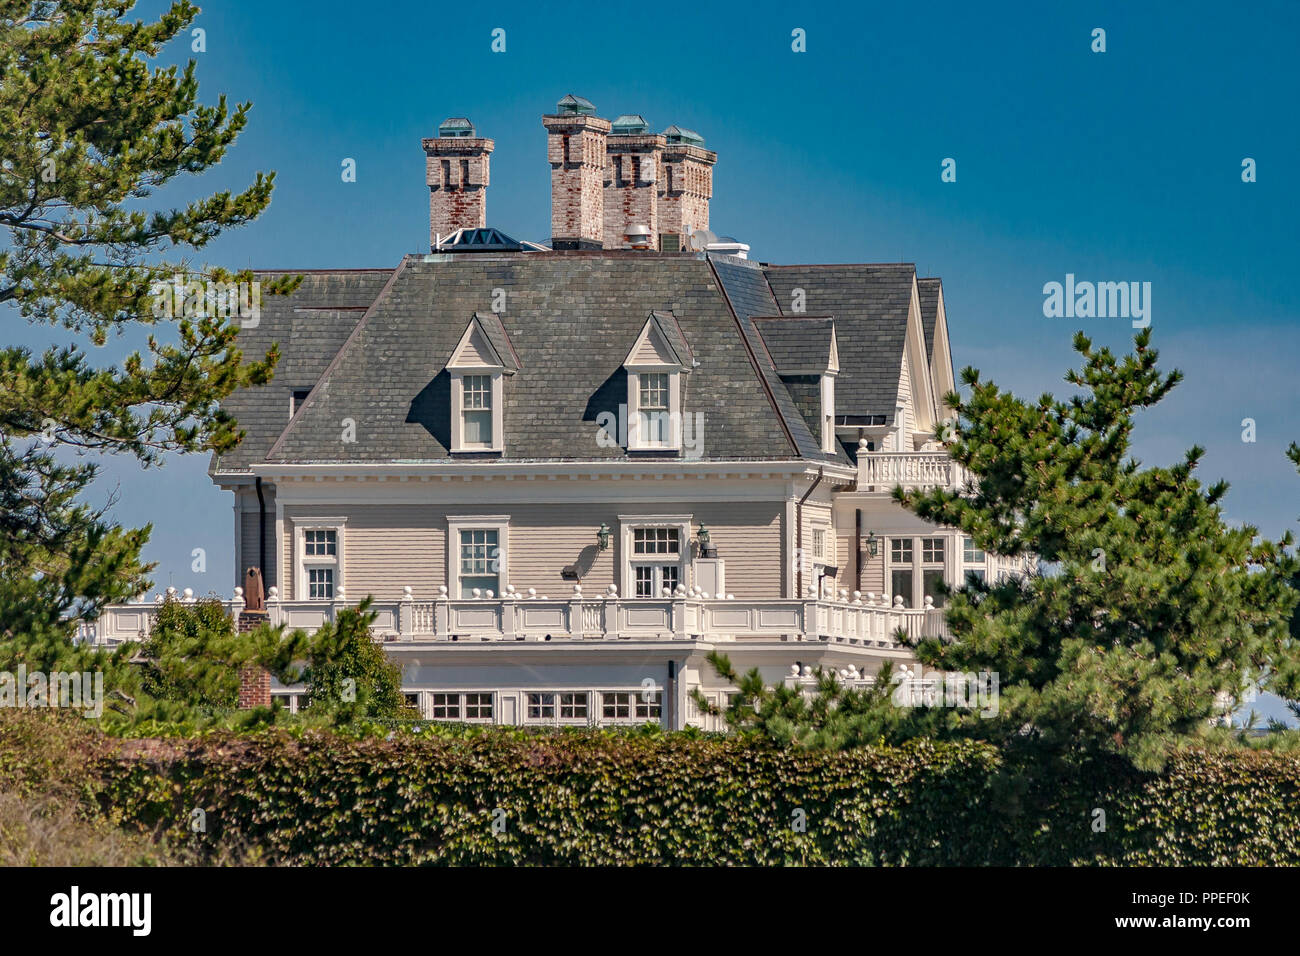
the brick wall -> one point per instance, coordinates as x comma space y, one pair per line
254, 682
631, 192
456, 172
575, 148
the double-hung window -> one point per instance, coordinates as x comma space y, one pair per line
973, 561
320, 560
476, 410
656, 560
480, 556
476, 555
654, 422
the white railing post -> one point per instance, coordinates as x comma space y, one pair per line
274, 612
406, 615
509, 626
441, 613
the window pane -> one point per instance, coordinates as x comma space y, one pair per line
573, 706
971, 554
616, 705
319, 543
932, 578
446, 707
541, 706
649, 709
478, 706
654, 392
478, 392
478, 428
670, 575
900, 585
645, 580
900, 549
320, 583
932, 550
655, 541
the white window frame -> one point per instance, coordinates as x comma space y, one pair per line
952, 558
458, 443
634, 703
458, 523
981, 565
462, 705
635, 440
628, 525
302, 561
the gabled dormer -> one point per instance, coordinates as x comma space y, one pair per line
655, 364
806, 356
478, 368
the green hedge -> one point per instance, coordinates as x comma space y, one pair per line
590, 797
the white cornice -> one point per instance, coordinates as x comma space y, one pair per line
512, 470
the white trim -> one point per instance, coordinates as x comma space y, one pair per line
634, 440
301, 525
458, 375
628, 524
458, 523
339, 470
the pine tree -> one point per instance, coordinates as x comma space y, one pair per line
89, 131
1147, 606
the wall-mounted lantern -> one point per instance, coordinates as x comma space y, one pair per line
704, 538
602, 537
872, 543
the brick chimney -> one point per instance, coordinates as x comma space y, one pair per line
456, 169
685, 189
575, 147
632, 172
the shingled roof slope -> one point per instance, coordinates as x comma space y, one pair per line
310, 325
749, 294
571, 320
927, 291
870, 306
799, 345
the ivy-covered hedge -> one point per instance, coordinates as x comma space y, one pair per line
501, 797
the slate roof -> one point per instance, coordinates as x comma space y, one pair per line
571, 319
799, 345
372, 345
928, 292
749, 294
310, 326
869, 304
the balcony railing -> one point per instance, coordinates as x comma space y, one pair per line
882, 470
863, 620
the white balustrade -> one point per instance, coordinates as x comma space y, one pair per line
864, 621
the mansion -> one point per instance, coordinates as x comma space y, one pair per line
567, 471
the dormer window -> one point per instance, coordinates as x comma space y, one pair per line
478, 368
655, 365
653, 408
476, 410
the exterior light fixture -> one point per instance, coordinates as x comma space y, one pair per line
704, 541
602, 537
872, 543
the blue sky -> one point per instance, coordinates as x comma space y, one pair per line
1118, 166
